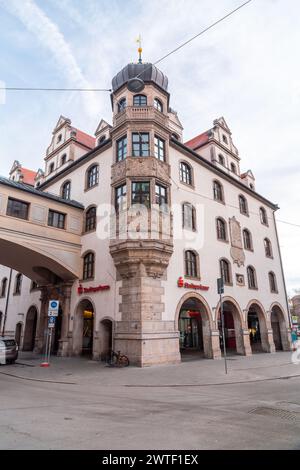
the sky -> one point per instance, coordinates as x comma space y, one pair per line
246, 69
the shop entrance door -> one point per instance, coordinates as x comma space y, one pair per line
88, 332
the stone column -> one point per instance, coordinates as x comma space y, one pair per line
66, 336
216, 352
272, 348
247, 345
142, 334
41, 330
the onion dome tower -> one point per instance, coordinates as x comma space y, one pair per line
142, 243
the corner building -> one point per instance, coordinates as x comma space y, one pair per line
183, 215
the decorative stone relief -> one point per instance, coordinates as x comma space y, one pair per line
236, 251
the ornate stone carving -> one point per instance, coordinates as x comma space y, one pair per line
236, 251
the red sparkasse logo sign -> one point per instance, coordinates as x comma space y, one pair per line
190, 285
87, 290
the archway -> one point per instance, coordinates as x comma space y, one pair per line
105, 337
233, 326
18, 334
30, 329
83, 338
279, 328
257, 326
194, 328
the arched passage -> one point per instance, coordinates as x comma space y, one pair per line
30, 329
233, 325
194, 323
105, 338
257, 326
83, 335
279, 329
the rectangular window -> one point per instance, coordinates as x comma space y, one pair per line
140, 193
140, 144
159, 148
121, 198
160, 195
16, 208
121, 149
56, 219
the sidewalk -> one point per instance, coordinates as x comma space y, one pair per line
201, 372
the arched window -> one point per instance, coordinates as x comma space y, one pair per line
218, 191
88, 266
247, 240
158, 105
273, 282
221, 229
3, 287
263, 216
90, 219
33, 286
251, 274
92, 178
140, 100
18, 284
243, 205
221, 159
233, 168
191, 268
268, 248
122, 105
66, 190
185, 173
225, 271
51, 168
188, 216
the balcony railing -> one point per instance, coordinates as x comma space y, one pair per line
140, 113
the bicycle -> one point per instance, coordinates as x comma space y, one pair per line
116, 359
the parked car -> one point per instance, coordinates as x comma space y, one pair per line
8, 350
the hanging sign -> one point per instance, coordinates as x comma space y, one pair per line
87, 290
190, 285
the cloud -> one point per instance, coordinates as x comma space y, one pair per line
51, 38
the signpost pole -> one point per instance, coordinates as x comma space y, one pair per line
220, 283
223, 333
52, 314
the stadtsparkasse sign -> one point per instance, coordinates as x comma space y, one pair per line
87, 290
190, 285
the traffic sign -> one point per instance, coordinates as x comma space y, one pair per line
51, 322
53, 308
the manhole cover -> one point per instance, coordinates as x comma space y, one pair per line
277, 413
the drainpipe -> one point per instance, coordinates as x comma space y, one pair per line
7, 300
282, 271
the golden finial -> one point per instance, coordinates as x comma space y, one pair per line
140, 49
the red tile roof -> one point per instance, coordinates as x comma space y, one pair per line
85, 139
198, 141
28, 176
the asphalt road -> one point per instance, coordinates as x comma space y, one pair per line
83, 405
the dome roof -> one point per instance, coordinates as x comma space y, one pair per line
147, 72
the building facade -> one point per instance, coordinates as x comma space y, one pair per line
162, 221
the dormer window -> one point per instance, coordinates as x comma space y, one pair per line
233, 168
140, 100
63, 159
122, 105
225, 140
158, 105
221, 160
102, 139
